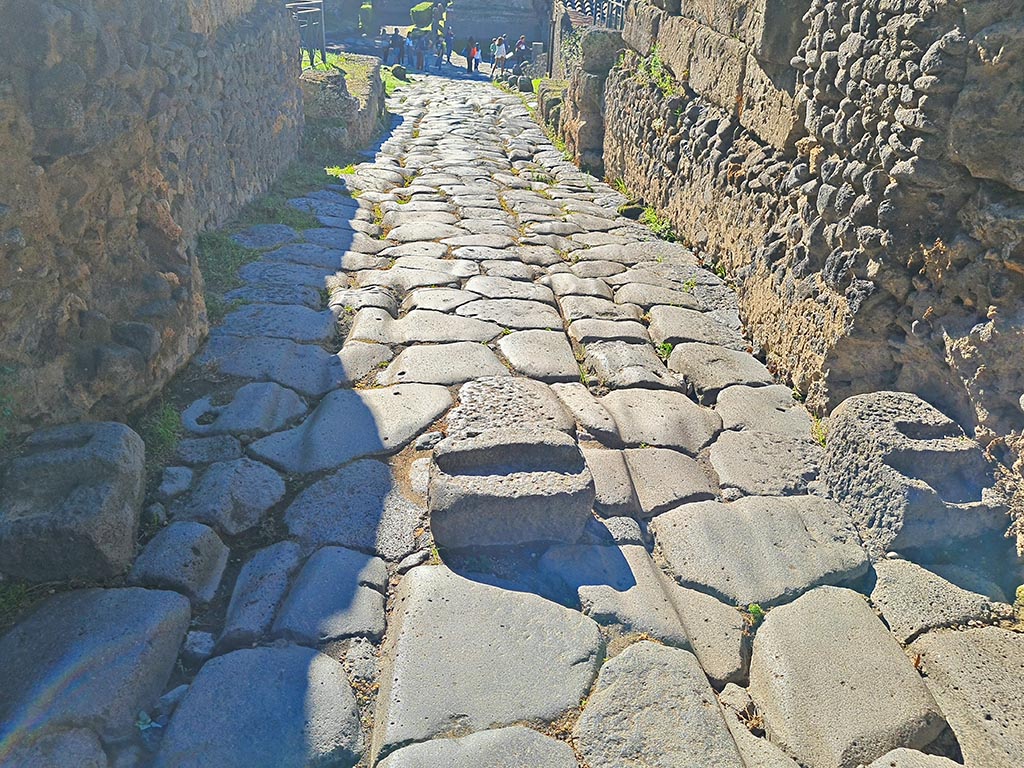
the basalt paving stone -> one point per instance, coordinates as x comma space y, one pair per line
634, 253
500, 657
306, 368
647, 296
428, 249
395, 218
484, 253
270, 273
456, 267
404, 279
359, 358
569, 285
593, 417
617, 585
538, 255
512, 313
563, 244
352, 299
768, 409
581, 307
232, 496
339, 206
619, 365
554, 227
259, 590
289, 707
913, 600
593, 239
652, 706
764, 550
674, 273
338, 239
279, 321
488, 227
504, 288
512, 747
338, 594
709, 369
70, 748
589, 269
349, 424
487, 213
507, 403
511, 270
663, 479
352, 225
418, 206
613, 487
420, 327
197, 451
186, 557
590, 331
662, 419
675, 325
539, 354
866, 700
719, 634
423, 230
755, 463
490, 242
263, 236
588, 222
442, 364
301, 295
756, 751
911, 758
437, 299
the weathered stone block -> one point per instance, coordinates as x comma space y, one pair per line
71, 503
675, 44
769, 107
716, 69
642, 21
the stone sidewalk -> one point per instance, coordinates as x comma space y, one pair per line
532, 513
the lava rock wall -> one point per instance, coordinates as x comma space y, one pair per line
126, 129
856, 169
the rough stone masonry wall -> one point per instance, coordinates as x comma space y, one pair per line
858, 168
126, 128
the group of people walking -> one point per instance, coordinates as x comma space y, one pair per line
415, 53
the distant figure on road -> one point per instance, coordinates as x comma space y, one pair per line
500, 54
396, 44
449, 43
438, 18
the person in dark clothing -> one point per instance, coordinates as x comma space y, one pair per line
397, 45
449, 43
470, 55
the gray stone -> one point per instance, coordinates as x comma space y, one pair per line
71, 503
647, 296
288, 707
913, 600
507, 403
501, 657
344, 299
232, 496
759, 549
350, 424
325, 251
361, 507
454, 267
653, 707
187, 557
259, 590
337, 595
911, 758
975, 676
359, 358
590, 331
504, 288
581, 307
445, 364
543, 355
676, 325
262, 236
513, 747
174, 482
267, 272
595, 268
565, 284
73, 748
407, 233
663, 419
99, 655
908, 475
867, 698
404, 279
513, 313
280, 321
717, 632
617, 585
306, 368
588, 411
198, 647
708, 369
419, 327
756, 752
437, 299
755, 463
663, 478
614, 493
513, 270
197, 451
508, 486
256, 409
619, 365
293, 293
767, 409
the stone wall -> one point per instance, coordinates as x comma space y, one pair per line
484, 20
855, 167
337, 120
127, 128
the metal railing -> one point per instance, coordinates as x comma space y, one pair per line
309, 17
602, 13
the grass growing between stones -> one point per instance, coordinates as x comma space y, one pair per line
819, 432
391, 82
658, 224
653, 70
220, 258
6, 404
160, 429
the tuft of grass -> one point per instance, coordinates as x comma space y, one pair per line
819, 432
664, 351
756, 613
620, 186
689, 285
391, 82
160, 429
6, 403
337, 170
658, 224
220, 258
653, 69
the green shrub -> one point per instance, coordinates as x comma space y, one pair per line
422, 14
366, 17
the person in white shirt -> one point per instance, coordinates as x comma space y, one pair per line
500, 55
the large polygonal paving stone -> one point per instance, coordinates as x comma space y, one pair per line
232, 496
505, 288
543, 355
303, 367
652, 707
280, 321
507, 403
419, 327
349, 424
755, 463
708, 369
255, 409
512, 747
464, 656
285, 707
94, 656
976, 678
663, 419
834, 687
620, 365
767, 409
513, 313
442, 364
760, 549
